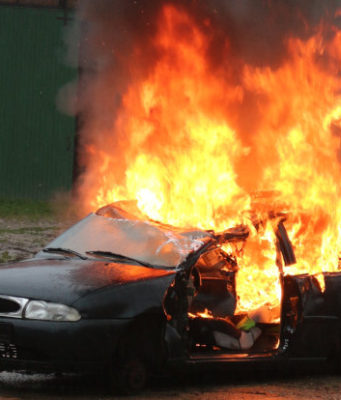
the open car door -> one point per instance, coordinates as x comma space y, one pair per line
210, 325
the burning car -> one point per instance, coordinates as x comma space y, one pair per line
122, 293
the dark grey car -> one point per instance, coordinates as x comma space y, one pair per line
120, 293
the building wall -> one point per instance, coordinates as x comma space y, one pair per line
36, 140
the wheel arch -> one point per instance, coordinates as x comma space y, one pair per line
143, 339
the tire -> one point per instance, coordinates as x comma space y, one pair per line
130, 377
137, 353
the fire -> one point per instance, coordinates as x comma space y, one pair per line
205, 314
187, 147
257, 263
178, 169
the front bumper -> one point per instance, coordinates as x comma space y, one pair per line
58, 346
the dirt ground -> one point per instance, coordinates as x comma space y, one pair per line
22, 238
49, 387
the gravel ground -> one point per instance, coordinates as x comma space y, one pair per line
21, 238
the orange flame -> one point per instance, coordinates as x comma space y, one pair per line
188, 163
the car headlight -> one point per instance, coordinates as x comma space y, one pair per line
50, 311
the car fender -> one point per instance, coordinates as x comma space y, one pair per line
126, 300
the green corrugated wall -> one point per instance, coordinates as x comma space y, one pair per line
36, 140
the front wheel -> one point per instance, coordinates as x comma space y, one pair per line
130, 376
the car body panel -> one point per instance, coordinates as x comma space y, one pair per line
311, 325
66, 280
68, 345
127, 300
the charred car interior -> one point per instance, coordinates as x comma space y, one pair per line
211, 325
119, 292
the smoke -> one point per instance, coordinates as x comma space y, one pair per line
256, 29
117, 47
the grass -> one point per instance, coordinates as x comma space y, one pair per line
25, 209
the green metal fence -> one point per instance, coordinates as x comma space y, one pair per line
36, 140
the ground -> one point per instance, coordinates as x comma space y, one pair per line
22, 236
49, 387
27, 226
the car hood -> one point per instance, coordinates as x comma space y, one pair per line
65, 281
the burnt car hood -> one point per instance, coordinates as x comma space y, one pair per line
66, 281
